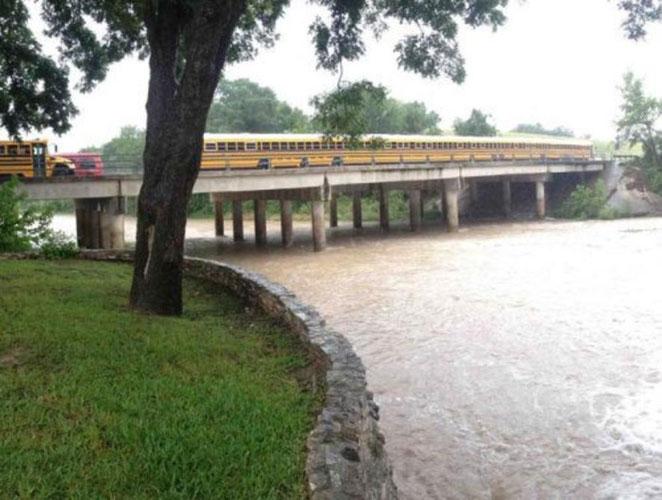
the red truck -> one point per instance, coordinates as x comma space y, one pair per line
87, 164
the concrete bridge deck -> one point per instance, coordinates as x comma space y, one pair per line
100, 214
250, 181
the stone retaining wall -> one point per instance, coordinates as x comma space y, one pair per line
346, 455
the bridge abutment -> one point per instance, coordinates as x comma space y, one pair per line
100, 223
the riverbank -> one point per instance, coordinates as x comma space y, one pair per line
100, 401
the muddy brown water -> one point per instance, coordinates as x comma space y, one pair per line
511, 360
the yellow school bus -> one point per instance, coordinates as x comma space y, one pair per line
31, 159
304, 150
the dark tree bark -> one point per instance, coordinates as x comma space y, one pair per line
188, 48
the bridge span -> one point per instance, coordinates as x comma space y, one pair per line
100, 201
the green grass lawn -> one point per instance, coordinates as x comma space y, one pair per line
98, 401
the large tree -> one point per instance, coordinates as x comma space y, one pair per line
478, 124
188, 43
641, 118
244, 106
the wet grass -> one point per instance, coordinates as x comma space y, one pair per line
98, 401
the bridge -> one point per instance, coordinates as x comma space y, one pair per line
100, 203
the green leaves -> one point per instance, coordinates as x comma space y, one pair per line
640, 13
244, 106
341, 112
21, 228
34, 90
476, 125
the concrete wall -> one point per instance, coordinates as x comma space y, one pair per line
346, 455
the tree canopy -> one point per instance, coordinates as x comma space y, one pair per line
641, 117
476, 125
362, 107
244, 106
537, 128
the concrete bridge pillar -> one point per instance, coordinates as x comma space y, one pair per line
451, 190
100, 223
319, 231
260, 212
473, 190
422, 204
237, 220
540, 199
219, 223
333, 208
415, 209
383, 208
507, 199
356, 211
286, 222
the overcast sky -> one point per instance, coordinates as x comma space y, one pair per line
558, 62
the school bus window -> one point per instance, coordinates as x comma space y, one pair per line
316, 145
12, 150
25, 150
2, 150
210, 146
232, 146
221, 146
299, 146
251, 146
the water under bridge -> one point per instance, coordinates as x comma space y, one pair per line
100, 203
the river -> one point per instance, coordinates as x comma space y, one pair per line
510, 360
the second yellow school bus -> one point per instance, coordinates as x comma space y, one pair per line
302, 150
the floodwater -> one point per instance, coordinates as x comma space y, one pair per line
511, 360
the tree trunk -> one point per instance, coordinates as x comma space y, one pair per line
177, 106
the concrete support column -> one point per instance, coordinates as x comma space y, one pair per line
333, 208
540, 199
286, 222
451, 190
237, 220
356, 211
87, 223
100, 223
507, 199
415, 209
219, 222
473, 189
319, 231
383, 208
422, 205
442, 202
260, 211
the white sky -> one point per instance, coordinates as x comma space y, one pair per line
558, 62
